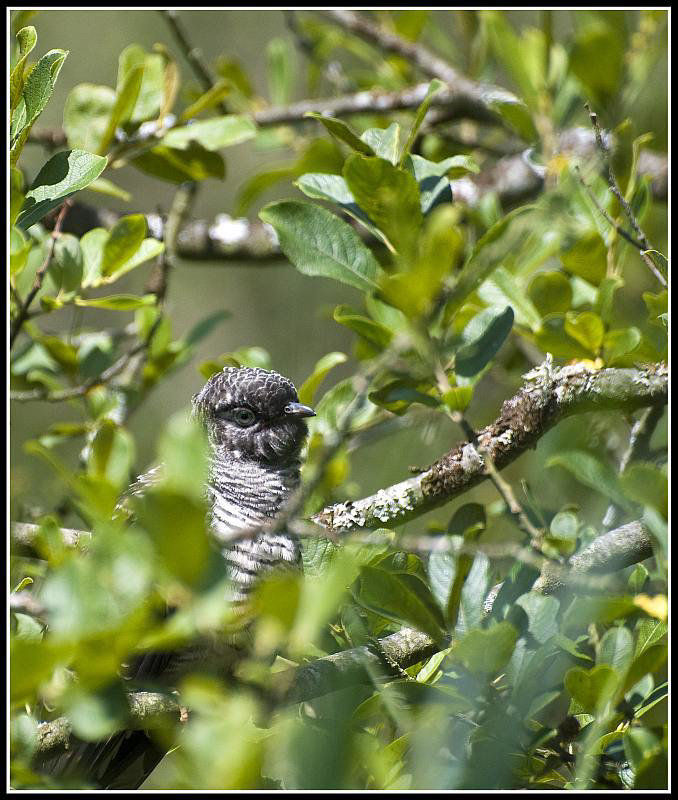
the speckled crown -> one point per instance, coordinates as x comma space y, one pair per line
265, 391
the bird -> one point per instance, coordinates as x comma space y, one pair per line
256, 430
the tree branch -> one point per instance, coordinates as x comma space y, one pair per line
192, 54
643, 244
549, 395
23, 308
146, 710
470, 98
610, 552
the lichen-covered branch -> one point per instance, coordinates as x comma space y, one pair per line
146, 710
549, 395
610, 552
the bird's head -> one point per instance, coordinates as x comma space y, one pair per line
253, 414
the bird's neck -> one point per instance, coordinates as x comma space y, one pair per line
246, 493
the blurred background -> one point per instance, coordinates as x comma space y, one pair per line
271, 304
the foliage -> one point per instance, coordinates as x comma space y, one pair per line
561, 691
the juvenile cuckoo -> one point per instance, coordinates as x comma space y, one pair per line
256, 429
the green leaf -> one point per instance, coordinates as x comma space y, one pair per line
212, 134
97, 714
117, 302
334, 188
469, 521
551, 293
130, 75
586, 328
191, 163
514, 113
396, 599
592, 472
209, 99
541, 613
36, 92
94, 244
123, 242
485, 652
66, 268
647, 662
365, 327
597, 59
318, 243
452, 167
647, 484
322, 186
390, 198
176, 523
619, 345
384, 142
605, 297
587, 257
159, 86
479, 265
16, 194
27, 39
86, 114
484, 335
458, 398
110, 189
522, 56
341, 131
111, 454
616, 649
19, 248
183, 452
563, 532
593, 688
473, 594
63, 175
398, 395
433, 88
553, 339
320, 370
281, 70
505, 288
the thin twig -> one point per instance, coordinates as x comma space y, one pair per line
624, 234
502, 486
644, 244
74, 392
178, 212
22, 311
638, 446
192, 54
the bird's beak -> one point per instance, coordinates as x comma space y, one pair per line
298, 410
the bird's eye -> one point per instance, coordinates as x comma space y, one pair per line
244, 417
